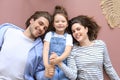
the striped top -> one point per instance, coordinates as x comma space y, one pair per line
89, 61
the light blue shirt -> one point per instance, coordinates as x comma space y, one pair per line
34, 62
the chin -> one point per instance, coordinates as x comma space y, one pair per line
79, 40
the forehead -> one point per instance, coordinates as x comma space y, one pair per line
44, 20
77, 25
59, 16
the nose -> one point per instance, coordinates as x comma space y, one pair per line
41, 28
60, 23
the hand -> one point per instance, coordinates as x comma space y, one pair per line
53, 58
53, 55
49, 71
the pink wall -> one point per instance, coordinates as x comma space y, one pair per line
17, 11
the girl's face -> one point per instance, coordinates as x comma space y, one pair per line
79, 32
60, 23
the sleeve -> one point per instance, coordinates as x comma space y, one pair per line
1, 39
108, 66
28, 73
39, 70
69, 40
27, 77
34, 63
48, 36
3, 28
71, 69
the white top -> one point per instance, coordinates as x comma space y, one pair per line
69, 40
13, 55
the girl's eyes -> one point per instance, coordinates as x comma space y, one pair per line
60, 21
56, 21
63, 21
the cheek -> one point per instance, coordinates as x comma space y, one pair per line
73, 35
66, 24
54, 24
43, 32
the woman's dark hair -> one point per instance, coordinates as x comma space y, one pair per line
59, 10
93, 27
38, 14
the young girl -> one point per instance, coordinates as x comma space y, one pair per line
57, 41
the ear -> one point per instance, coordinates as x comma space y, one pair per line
32, 20
67, 24
86, 29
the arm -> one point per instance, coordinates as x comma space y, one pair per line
49, 69
70, 70
64, 55
46, 48
108, 66
45, 53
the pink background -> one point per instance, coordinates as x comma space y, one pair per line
17, 11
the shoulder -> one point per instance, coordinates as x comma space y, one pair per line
75, 47
49, 33
99, 42
48, 36
9, 25
75, 50
6, 24
68, 36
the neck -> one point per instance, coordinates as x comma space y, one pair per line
85, 43
28, 34
60, 32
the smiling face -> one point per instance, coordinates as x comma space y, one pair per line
37, 27
60, 23
79, 32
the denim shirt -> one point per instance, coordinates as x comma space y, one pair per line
34, 61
